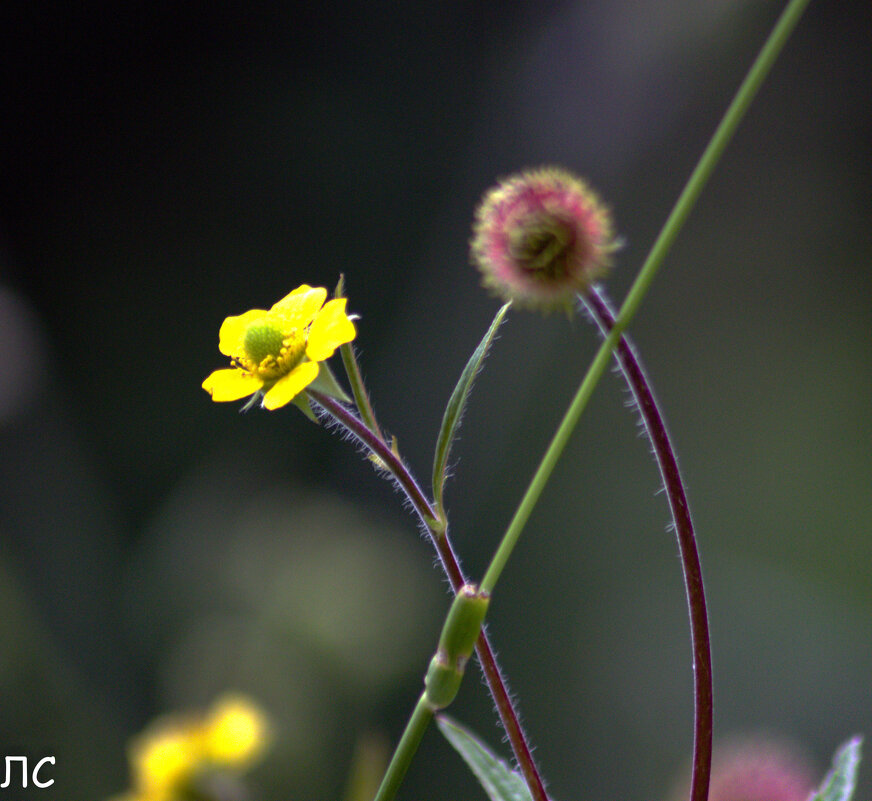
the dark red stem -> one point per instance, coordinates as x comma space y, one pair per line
495, 682
631, 367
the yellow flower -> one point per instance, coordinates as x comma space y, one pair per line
235, 733
275, 353
167, 759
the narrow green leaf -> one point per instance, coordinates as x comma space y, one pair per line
355, 378
838, 784
456, 404
499, 781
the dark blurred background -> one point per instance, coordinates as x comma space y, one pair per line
168, 165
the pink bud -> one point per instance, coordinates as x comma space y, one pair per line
541, 237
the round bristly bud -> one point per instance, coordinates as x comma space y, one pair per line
759, 769
540, 237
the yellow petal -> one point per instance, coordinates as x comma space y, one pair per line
236, 732
163, 758
330, 329
288, 387
231, 384
302, 289
300, 306
233, 330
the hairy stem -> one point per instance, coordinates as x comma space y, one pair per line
355, 379
503, 701
354, 425
630, 365
358, 389
439, 536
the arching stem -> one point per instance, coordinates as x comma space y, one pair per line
627, 359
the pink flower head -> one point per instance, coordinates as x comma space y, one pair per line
541, 237
759, 770
756, 768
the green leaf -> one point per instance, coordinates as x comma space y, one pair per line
304, 405
325, 383
456, 404
355, 378
499, 781
838, 784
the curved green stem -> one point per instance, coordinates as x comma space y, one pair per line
683, 206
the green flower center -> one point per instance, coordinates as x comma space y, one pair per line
543, 247
261, 341
270, 351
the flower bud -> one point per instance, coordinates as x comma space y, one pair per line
755, 768
541, 237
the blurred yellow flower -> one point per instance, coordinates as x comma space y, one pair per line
164, 758
173, 751
276, 353
235, 732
